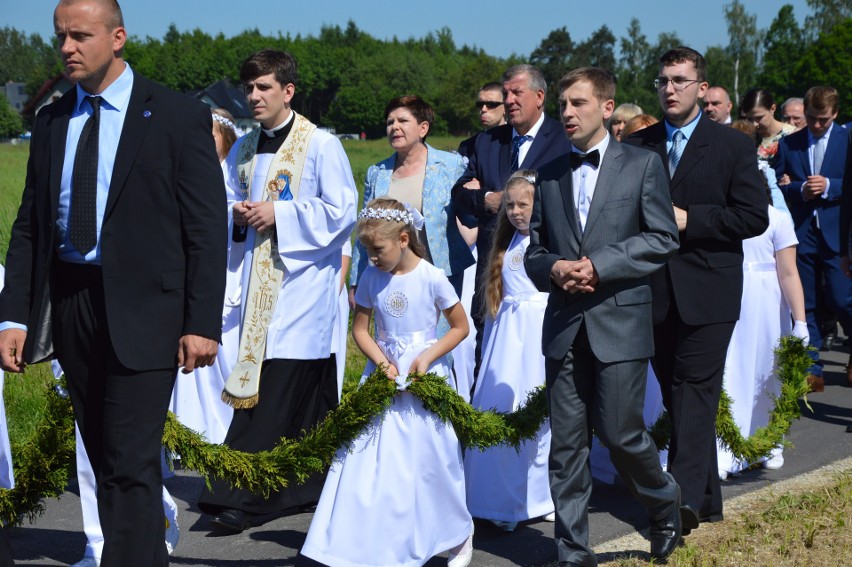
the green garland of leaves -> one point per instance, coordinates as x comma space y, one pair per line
792, 362
42, 462
297, 459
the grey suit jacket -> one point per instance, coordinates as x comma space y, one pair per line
630, 233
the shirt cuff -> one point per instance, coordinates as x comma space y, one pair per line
5, 325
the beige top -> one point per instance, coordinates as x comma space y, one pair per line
408, 189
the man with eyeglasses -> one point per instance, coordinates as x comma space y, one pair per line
812, 162
528, 140
718, 199
489, 106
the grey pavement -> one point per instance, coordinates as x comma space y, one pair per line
817, 439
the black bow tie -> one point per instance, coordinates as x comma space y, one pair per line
592, 158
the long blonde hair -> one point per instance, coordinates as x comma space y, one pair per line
492, 284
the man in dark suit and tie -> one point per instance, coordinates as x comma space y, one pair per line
529, 140
719, 200
117, 264
813, 161
602, 222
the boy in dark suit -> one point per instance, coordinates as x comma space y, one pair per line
718, 199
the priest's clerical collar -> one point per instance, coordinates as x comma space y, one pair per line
271, 140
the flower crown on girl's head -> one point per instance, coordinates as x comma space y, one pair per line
409, 216
226, 123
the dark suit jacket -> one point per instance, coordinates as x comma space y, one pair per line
164, 233
846, 199
490, 162
792, 159
630, 233
719, 185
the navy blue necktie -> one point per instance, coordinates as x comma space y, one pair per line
82, 226
517, 142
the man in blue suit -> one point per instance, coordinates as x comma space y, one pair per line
529, 140
813, 161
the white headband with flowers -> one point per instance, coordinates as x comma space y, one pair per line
225, 122
409, 216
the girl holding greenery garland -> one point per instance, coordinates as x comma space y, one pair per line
505, 485
397, 496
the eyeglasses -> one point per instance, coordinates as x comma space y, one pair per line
490, 104
680, 83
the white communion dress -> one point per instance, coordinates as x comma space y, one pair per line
502, 483
749, 377
397, 497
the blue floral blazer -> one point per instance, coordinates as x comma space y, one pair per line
448, 249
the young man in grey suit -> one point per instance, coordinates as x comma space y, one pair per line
602, 222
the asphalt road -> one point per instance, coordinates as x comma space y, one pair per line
817, 439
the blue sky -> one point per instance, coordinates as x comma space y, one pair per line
498, 27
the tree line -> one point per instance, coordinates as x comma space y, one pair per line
347, 76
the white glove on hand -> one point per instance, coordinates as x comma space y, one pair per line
800, 331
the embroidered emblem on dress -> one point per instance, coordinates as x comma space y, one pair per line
516, 260
396, 304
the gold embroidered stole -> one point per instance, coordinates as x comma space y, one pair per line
267, 269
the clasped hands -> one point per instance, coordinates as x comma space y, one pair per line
258, 215
575, 276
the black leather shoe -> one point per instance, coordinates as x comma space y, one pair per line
688, 519
234, 521
665, 534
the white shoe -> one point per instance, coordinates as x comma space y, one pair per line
172, 535
549, 517
464, 555
773, 463
723, 474
88, 561
505, 526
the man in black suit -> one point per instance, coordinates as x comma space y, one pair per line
718, 199
529, 140
601, 224
117, 263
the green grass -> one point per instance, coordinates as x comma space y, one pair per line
798, 528
13, 172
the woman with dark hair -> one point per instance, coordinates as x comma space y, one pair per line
421, 176
758, 107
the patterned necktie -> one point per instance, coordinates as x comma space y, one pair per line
82, 226
517, 142
819, 154
676, 151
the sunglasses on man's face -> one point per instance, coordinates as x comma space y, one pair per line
490, 104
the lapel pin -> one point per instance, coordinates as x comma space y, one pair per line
147, 114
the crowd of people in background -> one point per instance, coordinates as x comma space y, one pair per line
620, 261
